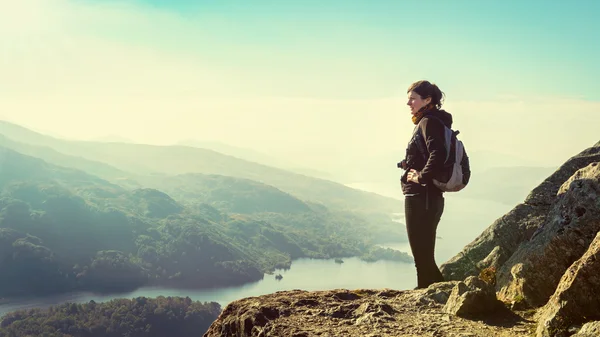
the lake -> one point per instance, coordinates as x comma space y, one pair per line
306, 274
463, 220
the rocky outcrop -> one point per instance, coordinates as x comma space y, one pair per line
591, 329
499, 242
576, 298
356, 313
533, 272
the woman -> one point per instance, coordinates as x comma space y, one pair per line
425, 156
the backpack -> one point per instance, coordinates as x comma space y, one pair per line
457, 171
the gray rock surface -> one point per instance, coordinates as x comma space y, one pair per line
497, 243
472, 298
533, 272
359, 312
591, 329
576, 296
500, 240
438, 292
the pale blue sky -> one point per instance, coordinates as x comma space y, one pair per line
320, 83
366, 48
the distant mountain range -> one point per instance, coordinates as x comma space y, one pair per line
112, 139
115, 216
258, 157
122, 160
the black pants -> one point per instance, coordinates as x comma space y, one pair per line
421, 226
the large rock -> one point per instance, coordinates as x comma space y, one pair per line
472, 298
591, 329
576, 296
438, 292
499, 241
533, 272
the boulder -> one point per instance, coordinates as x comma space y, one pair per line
576, 296
533, 272
591, 329
437, 293
472, 298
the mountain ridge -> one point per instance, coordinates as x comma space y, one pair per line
168, 159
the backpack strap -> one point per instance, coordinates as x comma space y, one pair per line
421, 146
448, 133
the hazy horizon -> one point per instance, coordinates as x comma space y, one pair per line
321, 85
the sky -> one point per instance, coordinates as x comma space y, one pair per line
321, 83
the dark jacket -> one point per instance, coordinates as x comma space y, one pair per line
429, 135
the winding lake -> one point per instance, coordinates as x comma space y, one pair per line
463, 220
306, 274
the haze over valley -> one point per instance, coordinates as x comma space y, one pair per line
160, 159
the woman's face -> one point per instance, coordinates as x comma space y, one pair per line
415, 102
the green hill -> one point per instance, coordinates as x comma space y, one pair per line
227, 193
50, 155
63, 229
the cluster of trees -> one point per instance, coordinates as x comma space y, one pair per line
62, 229
138, 317
45, 252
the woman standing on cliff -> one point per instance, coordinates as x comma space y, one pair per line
425, 156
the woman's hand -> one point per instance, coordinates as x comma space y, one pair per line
413, 176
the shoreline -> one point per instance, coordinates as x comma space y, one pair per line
11, 304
